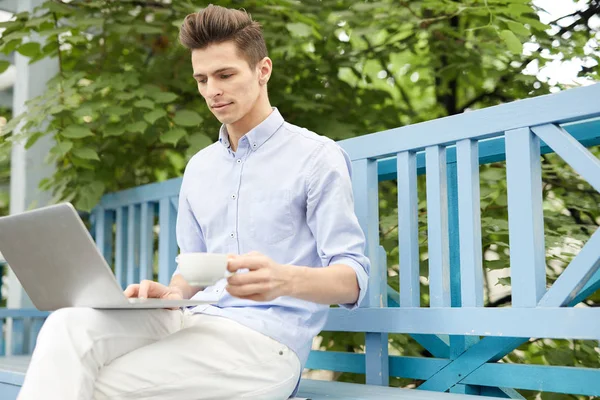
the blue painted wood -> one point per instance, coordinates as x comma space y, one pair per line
582, 381
508, 393
324, 390
577, 156
146, 241
366, 206
2, 341
576, 323
8, 391
366, 195
175, 202
471, 268
525, 218
408, 230
453, 234
458, 343
103, 234
152, 192
121, 247
567, 106
590, 287
465, 389
167, 241
437, 345
36, 326
575, 276
22, 313
437, 227
376, 344
133, 244
491, 150
18, 336
466, 363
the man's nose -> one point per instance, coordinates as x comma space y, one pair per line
212, 89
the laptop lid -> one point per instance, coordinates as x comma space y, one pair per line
56, 260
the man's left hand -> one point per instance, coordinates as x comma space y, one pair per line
265, 280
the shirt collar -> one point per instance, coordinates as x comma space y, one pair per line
259, 134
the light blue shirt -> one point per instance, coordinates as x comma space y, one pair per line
286, 192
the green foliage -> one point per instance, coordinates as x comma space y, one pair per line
124, 109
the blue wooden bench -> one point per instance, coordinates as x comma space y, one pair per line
466, 339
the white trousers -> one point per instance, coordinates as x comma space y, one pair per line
85, 354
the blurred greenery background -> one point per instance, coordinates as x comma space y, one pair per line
125, 110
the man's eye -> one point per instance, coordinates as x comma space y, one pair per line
225, 76
201, 80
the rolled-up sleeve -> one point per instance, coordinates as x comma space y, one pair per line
331, 216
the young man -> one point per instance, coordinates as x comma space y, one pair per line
278, 197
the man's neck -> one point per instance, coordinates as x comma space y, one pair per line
258, 114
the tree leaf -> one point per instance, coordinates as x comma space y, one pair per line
144, 103
197, 142
116, 110
173, 136
299, 29
30, 49
164, 97
86, 153
114, 130
187, 118
147, 29
136, 127
503, 281
62, 148
154, 115
512, 42
4, 65
76, 132
518, 28
58, 7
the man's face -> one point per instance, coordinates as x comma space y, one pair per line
226, 81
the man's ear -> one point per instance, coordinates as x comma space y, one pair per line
265, 67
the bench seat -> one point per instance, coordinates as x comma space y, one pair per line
325, 390
12, 372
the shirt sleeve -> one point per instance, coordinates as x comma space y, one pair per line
331, 216
190, 238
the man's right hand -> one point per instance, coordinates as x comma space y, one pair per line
155, 290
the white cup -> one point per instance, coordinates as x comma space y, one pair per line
202, 269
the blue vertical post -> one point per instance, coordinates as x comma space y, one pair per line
458, 343
437, 227
366, 197
408, 230
121, 247
146, 241
525, 218
133, 244
469, 227
104, 232
167, 240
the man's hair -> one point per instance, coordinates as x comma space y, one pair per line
215, 24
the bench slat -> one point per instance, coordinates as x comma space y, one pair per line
325, 390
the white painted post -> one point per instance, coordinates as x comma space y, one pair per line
27, 166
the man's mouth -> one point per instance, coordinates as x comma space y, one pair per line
220, 106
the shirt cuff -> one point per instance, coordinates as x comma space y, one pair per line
361, 277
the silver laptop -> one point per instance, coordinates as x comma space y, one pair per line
58, 264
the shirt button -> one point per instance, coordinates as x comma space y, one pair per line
254, 145
232, 235
239, 160
233, 196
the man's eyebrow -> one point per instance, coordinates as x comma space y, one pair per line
214, 73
